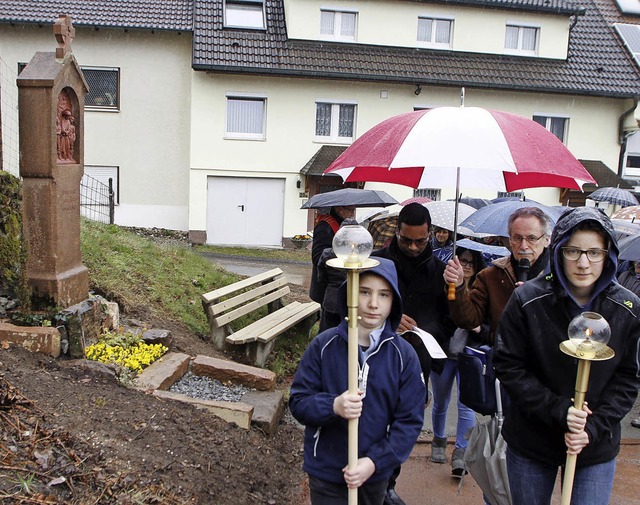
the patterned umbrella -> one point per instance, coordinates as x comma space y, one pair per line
416, 199
616, 196
443, 212
628, 214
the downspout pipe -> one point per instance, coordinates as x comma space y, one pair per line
623, 136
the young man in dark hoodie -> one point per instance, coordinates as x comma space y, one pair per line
542, 425
389, 404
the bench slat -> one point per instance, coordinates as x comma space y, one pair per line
230, 303
251, 333
211, 296
250, 307
303, 312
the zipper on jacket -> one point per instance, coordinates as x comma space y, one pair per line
316, 435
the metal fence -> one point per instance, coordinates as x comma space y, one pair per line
97, 200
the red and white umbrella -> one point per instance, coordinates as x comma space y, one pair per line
489, 149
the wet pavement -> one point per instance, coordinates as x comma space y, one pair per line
422, 482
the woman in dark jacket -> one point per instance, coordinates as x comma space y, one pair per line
542, 425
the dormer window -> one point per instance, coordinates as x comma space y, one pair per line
338, 25
244, 14
434, 32
520, 39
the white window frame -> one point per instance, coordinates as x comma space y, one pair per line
521, 27
549, 118
337, 24
435, 20
234, 18
249, 97
335, 117
103, 173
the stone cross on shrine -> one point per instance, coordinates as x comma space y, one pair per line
51, 91
65, 33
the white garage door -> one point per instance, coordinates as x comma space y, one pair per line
242, 211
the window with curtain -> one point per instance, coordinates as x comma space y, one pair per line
104, 88
338, 25
434, 32
521, 39
335, 122
244, 14
246, 117
555, 124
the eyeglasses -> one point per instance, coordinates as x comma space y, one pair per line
531, 239
408, 241
466, 263
593, 255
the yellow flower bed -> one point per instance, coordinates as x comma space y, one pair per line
135, 357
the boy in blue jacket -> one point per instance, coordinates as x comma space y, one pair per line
389, 404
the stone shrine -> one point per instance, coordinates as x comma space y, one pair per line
51, 91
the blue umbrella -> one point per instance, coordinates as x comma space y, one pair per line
616, 196
493, 219
629, 248
476, 203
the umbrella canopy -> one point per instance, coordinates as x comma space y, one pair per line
628, 214
350, 196
493, 219
426, 149
491, 250
616, 196
629, 248
443, 212
476, 203
382, 229
624, 229
416, 199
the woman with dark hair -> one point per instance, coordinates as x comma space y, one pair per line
542, 426
442, 383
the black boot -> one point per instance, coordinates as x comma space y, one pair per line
392, 498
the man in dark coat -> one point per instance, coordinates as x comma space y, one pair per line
421, 284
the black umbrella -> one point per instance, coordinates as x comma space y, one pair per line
476, 203
350, 196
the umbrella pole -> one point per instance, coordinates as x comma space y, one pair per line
451, 293
582, 382
353, 288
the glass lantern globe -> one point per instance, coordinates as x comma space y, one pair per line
352, 244
589, 332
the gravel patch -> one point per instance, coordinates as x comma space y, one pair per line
204, 388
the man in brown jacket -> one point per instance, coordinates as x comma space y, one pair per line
529, 231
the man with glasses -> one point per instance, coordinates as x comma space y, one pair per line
422, 289
529, 230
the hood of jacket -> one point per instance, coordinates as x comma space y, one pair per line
562, 232
387, 270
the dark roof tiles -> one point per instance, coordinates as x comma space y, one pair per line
149, 14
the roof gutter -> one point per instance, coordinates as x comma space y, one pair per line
623, 136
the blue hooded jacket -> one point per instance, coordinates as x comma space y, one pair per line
393, 406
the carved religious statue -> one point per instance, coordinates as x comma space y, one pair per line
65, 129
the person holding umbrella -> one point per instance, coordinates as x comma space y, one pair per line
389, 404
541, 425
529, 229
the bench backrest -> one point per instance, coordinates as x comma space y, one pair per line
223, 305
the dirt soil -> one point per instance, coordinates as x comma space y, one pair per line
71, 434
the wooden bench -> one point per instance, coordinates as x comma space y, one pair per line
225, 305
